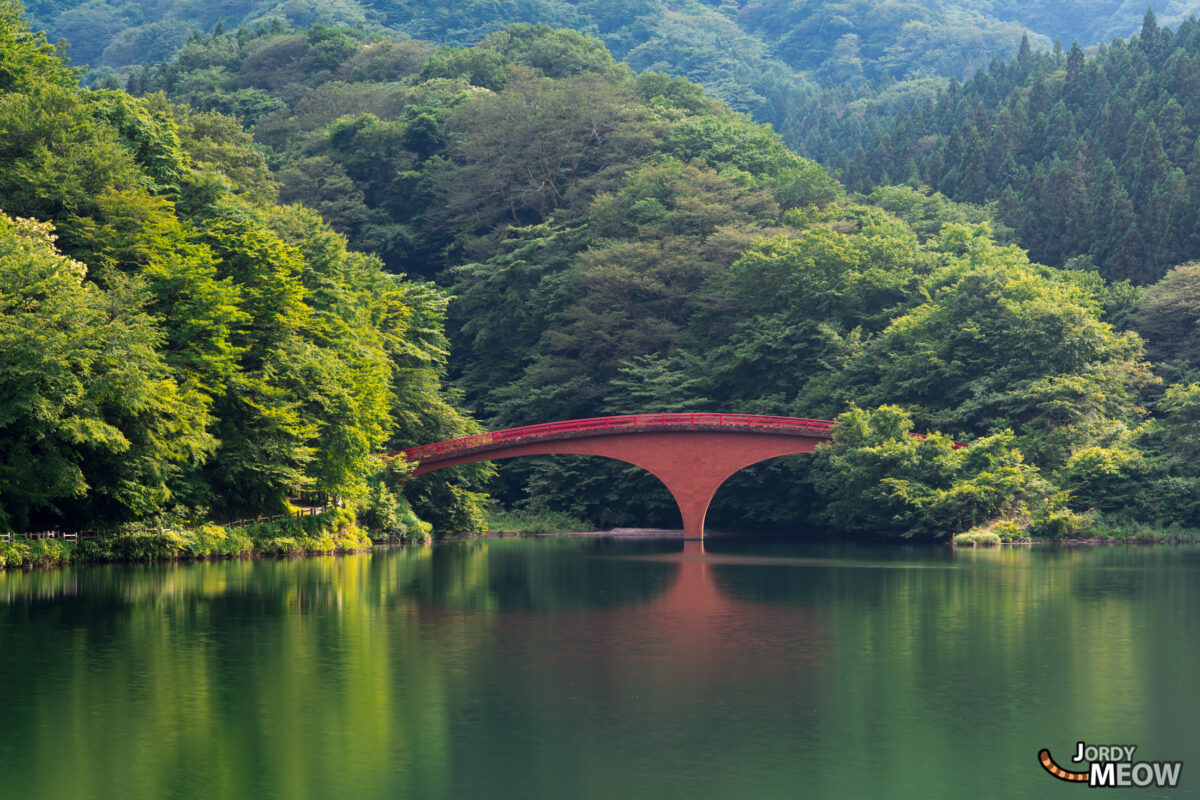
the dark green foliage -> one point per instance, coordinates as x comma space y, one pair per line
1168, 316
1090, 159
1171, 476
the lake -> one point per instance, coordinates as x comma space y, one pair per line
556, 667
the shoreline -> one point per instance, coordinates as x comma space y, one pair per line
325, 534
676, 533
345, 545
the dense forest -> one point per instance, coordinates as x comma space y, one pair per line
785, 62
618, 242
205, 318
824, 39
813, 70
173, 338
1091, 160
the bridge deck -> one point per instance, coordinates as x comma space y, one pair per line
816, 428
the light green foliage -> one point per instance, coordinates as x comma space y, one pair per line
1104, 478
26, 58
883, 482
219, 148
1001, 343
90, 408
217, 350
553, 53
388, 516
1009, 530
384, 511
167, 538
148, 133
732, 142
1056, 522
926, 213
977, 538
737, 143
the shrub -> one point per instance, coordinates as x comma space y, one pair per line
206, 540
138, 545
236, 543
14, 554
1055, 522
976, 538
386, 514
534, 521
280, 545
90, 550
46, 553
318, 544
1012, 530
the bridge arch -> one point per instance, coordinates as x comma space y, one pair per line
692, 454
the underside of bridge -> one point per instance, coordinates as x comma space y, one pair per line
692, 463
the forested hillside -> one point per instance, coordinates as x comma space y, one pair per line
615, 242
821, 73
1092, 160
871, 39
783, 62
173, 338
619, 242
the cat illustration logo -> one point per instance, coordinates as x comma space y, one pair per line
1113, 765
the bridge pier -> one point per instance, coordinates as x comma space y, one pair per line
693, 508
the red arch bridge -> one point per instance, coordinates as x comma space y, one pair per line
692, 454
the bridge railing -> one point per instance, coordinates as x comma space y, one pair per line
816, 426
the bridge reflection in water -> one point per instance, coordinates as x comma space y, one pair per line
694, 638
698, 613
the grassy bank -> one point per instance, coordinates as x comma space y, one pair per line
1118, 531
382, 516
332, 532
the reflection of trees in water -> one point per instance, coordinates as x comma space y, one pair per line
550, 573
315, 676
285, 675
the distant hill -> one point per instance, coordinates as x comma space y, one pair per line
1092, 160
832, 40
774, 59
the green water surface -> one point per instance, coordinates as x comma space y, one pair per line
590, 668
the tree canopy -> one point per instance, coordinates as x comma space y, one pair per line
172, 337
